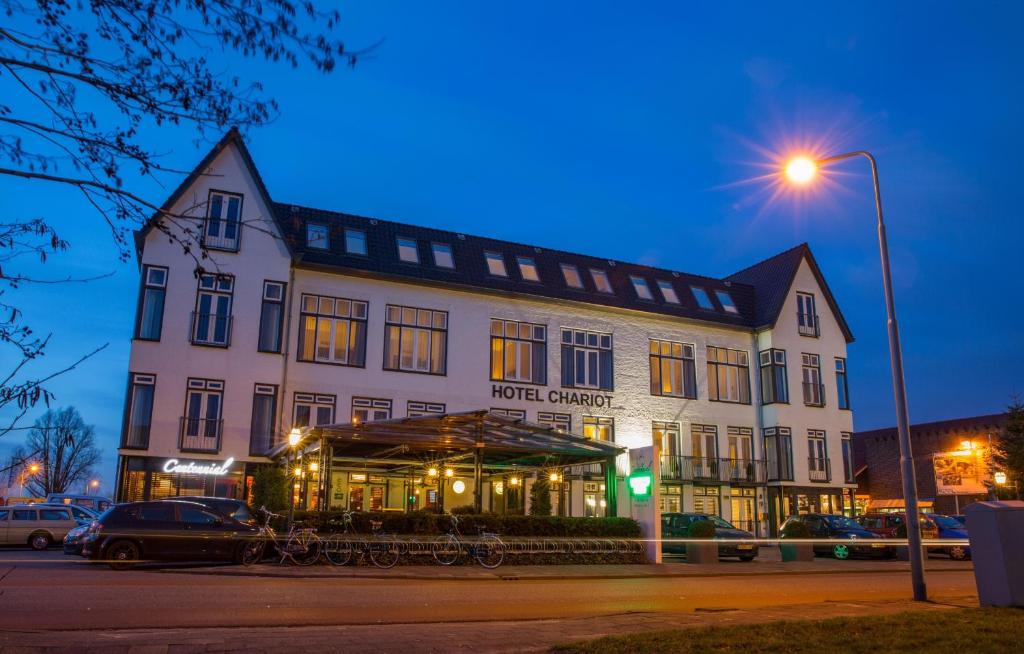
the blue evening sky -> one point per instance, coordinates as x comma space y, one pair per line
623, 130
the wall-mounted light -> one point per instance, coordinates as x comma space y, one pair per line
294, 436
459, 486
513, 481
1000, 478
449, 472
431, 472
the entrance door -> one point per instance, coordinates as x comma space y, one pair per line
743, 515
355, 498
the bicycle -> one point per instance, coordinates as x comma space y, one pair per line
383, 550
301, 546
488, 549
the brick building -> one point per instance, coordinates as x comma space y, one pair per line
950, 461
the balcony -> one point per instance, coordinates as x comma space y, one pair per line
819, 469
220, 242
709, 470
807, 324
200, 434
211, 329
814, 394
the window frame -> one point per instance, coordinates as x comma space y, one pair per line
406, 242
728, 304
700, 293
597, 422
773, 366
555, 420
207, 221
416, 408
519, 342
315, 402
370, 404
810, 368
641, 288
742, 374
849, 474
215, 292
260, 391
605, 284
346, 232
144, 290
361, 324
205, 389
657, 360
665, 285
842, 384
431, 330
265, 302
566, 268
803, 300
522, 263
138, 379
444, 248
586, 348
783, 453
311, 226
496, 257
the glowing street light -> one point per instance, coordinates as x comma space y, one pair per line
1000, 478
294, 437
802, 170
33, 468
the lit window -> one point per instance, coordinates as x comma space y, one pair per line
316, 236
601, 280
668, 292
443, 255
355, 241
407, 250
640, 286
528, 269
572, 276
495, 264
727, 303
703, 301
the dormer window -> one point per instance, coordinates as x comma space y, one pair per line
223, 221
726, 301
355, 241
572, 276
442, 255
495, 264
601, 282
640, 286
668, 291
317, 236
407, 251
703, 301
528, 269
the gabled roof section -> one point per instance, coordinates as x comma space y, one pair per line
772, 280
470, 269
232, 137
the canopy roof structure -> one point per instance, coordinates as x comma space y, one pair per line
502, 441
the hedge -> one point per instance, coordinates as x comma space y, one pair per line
426, 523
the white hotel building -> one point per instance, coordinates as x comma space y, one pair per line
307, 317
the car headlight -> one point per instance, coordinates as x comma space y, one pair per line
852, 536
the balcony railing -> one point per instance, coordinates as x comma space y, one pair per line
200, 434
211, 329
819, 469
229, 243
814, 394
703, 469
807, 324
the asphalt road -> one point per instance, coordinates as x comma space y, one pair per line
50, 591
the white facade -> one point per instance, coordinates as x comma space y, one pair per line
466, 384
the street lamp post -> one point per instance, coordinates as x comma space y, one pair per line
801, 171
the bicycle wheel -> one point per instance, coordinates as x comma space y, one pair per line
252, 552
337, 550
385, 552
305, 551
446, 549
489, 552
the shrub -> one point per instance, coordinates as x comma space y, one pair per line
795, 529
701, 529
270, 488
464, 510
540, 497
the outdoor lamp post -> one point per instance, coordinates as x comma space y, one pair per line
802, 171
294, 438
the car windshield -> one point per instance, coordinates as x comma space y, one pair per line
946, 522
719, 522
841, 522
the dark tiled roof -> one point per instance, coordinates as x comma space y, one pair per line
471, 268
993, 422
758, 292
771, 280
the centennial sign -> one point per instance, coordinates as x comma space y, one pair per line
527, 394
194, 468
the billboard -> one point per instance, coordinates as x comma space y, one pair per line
960, 472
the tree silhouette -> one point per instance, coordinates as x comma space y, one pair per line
63, 447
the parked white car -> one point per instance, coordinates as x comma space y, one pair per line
37, 526
94, 502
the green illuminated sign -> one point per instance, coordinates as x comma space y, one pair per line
640, 484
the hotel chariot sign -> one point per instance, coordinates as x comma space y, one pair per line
529, 394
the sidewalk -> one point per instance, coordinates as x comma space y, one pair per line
503, 636
472, 572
